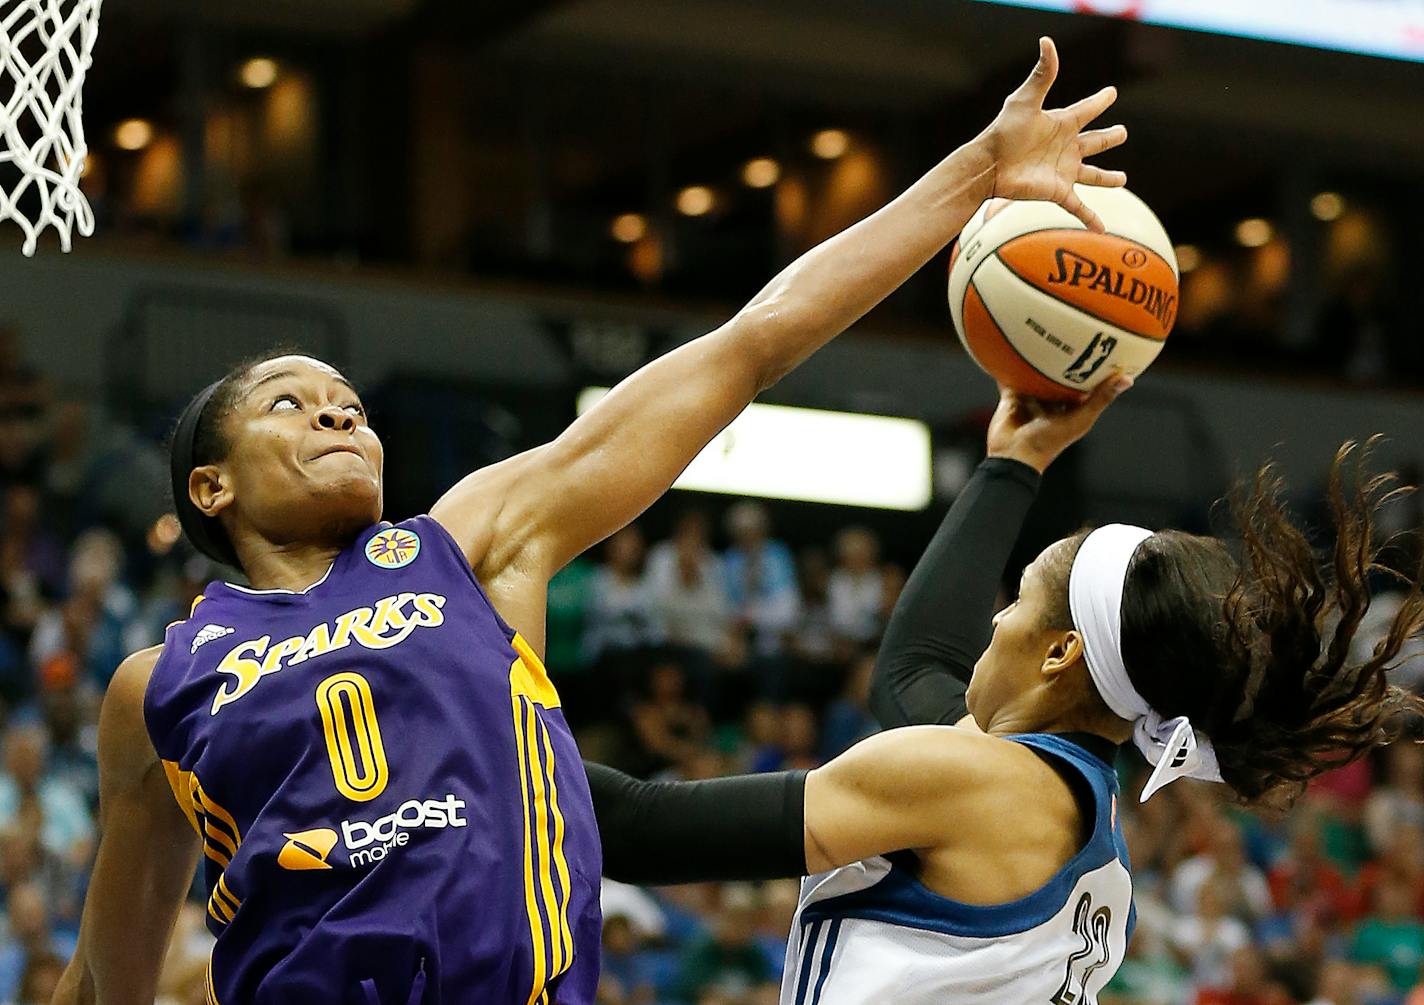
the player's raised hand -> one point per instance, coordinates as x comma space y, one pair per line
1039, 153
1036, 432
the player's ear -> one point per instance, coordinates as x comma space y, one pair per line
1064, 650
210, 489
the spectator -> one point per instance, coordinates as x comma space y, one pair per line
1206, 940
1250, 984
41, 978
620, 620
93, 622
689, 588
169, 598
670, 728
1303, 880
779, 901
1248, 895
848, 718
1339, 984
819, 654
622, 963
188, 951
1391, 936
635, 904
74, 741
785, 738
1402, 862
570, 597
814, 642
857, 587
1148, 976
1399, 801
28, 792
32, 566
761, 580
27, 937
729, 961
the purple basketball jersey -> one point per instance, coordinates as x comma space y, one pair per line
391, 805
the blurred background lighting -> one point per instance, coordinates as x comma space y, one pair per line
133, 134
829, 144
1327, 206
629, 227
258, 73
695, 200
761, 172
1189, 258
1254, 233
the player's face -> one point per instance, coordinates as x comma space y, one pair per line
302, 462
1013, 663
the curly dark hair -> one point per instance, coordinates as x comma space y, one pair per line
1254, 647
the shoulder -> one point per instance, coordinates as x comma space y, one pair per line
946, 760
477, 512
133, 675
124, 744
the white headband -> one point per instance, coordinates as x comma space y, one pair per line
1095, 585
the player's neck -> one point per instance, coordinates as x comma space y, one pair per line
289, 567
1031, 717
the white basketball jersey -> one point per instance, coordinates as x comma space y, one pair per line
870, 933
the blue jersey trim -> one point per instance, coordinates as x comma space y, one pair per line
808, 949
826, 954
900, 899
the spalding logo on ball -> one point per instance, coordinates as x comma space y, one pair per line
1049, 308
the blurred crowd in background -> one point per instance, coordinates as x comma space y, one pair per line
724, 648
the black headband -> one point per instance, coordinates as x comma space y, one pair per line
205, 532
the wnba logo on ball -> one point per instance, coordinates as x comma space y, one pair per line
1074, 269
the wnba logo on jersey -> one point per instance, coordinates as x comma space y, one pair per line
393, 548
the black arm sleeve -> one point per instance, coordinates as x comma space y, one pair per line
941, 624
747, 827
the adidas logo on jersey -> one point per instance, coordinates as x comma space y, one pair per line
207, 633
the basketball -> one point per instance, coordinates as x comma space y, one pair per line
1050, 308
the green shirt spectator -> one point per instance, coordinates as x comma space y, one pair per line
1392, 938
569, 593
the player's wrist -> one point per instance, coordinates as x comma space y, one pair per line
1039, 460
973, 169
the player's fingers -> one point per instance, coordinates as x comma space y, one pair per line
1096, 141
1089, 175
1106, 393
1080, 113
1037, 86
1082, 211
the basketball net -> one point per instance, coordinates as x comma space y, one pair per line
45, 48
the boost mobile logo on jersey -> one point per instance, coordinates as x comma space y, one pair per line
368, 843
307, 850
387, 623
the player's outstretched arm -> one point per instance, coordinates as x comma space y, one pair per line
538, 510
891, 792
148, 852
941, 623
